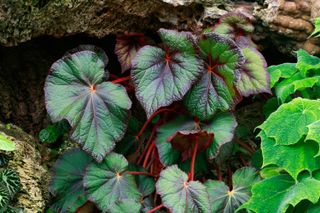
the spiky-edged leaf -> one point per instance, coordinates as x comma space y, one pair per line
224, 199
293, 158
180, 195
10, 178
215, 90
67, 181
277, 72
127, 47
126, 205
254, 75
164, 76
98, 111
291, 121
223, 126
107, 182
6, 144
276, 194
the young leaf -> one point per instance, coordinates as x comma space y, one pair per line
223, 126
300, 112
215, 90
234, 25
307, 62
10, 178
277, 193
293, 158
316, 32
180, 195
164, 76
98, 111
67, 181
127, 47
6, 144
107, 182
224, 199
254, 75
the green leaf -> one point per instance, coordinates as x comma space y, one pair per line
294, 158
6, 144
164, 76
53, 132
224, 199
98, 111
146, 184
223, 127
67, 181
254, 75
5, 196
314, 133
276, 194
307, 63
216, 89
4, 159
10, 178
107, 182
299, 112
271, 106
180, 195
285, 70
126, 205
316, 31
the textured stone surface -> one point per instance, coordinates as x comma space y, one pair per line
34, 178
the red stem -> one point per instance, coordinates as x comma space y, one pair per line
155, 208
121, 79
193, 159
147, 144
141, 173
147, 155
149, 120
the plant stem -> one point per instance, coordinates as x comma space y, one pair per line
121, 79
245, 146
141, 173
155, 208
147, 155
150, 119
195, 149
147, 144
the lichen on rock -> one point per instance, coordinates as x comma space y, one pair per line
34, 178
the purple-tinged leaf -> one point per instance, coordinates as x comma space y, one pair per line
254, 74
216, 89
162, 76
180, 195
107, 182
98, 111
67, 181
127, 47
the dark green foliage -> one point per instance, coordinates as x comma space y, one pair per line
53, 132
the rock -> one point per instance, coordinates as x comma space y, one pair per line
34, 178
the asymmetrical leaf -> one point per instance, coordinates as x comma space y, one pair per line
10, 178
254, 75
223, 199
180, 195
98, 111
216, 89
67, 181
107, 182
6, 144
223, 126
293, 158
127, 47
299, 112
316, 32
164, 76
276, 194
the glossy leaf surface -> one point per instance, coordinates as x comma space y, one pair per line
97, 111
